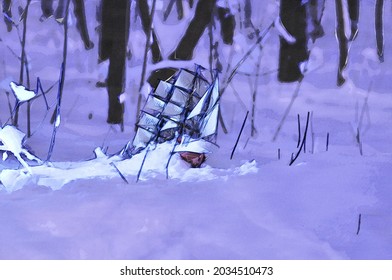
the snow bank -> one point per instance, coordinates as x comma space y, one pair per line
55, 175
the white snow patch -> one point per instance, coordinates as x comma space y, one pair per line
247, 168
21, 93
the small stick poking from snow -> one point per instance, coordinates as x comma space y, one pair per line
141, 167
359, 223
239, 135
299, 131
327, 144
302, 146
119, 172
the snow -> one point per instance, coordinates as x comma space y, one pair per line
21, 93
255, 206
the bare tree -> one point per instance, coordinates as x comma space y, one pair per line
113, 47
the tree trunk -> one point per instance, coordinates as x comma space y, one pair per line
144, 12
47, 8
353, 10
379, 29
81, 24
293, 16
314, 8
342, 40
248, 14
7, 11
113, 46
200, 21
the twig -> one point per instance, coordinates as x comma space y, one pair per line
295, 95
311, 131
296, 92
56, 113
119, 172
238, 97
246, 56
327, 144
257, 74
22, 41
359, 223
299, 131
359, 141
9, 106
358, 137
141, 166
253, 129
239, 135
303, 141
239, 63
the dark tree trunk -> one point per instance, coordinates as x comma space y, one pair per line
379, 29
47, 8
113, 46
314, 8
81, 24
79, 12
227, 23
7, 11
342, 41
248, 14
144, 12
201, 19
60, 10
293, 16
353, 10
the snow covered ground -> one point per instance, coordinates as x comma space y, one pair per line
331, 204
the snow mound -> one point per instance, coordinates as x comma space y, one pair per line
151, 163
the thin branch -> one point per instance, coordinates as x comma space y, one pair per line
287, 111
296, 92
246, 56
56, 114
141, 166
293, 159
299, 131
255, 89
239, 135
359, 223
327, 144
119, 172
